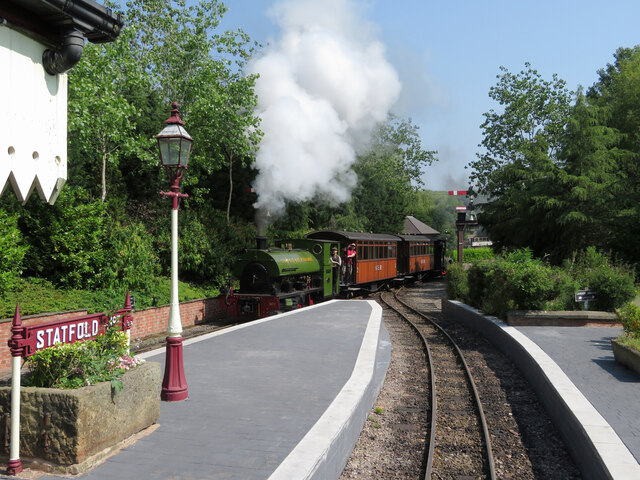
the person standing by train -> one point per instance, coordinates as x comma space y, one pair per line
336, 262
351, 261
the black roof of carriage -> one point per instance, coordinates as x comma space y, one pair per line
419, 238
344, 237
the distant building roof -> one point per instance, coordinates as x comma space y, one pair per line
413, 226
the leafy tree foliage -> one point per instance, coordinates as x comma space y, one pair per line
564, 177
389, 175
109, 229
528, 128
617, 96
12, 251
436, 209
102, 120
68, 238
585, 181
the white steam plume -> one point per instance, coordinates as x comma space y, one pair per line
324, 85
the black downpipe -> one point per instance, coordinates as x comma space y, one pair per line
65, 57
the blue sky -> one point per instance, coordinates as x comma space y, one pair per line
448, 53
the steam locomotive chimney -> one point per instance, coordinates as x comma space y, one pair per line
261, 242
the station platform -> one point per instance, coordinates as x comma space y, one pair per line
584, 354
592, 400
280, 398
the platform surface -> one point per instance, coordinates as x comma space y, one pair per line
266, 399
585, 356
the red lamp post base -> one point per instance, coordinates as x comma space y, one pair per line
174, 384
14, 467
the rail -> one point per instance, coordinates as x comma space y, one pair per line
430, 454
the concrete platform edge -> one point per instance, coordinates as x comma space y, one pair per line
595, 447
325, 449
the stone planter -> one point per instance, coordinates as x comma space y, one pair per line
627, 356
71, 430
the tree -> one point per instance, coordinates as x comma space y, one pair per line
228, 124
518, 169
617, 97
586, 180
201, 69
533, 118
389, 174
436, 209
102, 121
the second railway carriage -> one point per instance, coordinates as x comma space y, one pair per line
420, 255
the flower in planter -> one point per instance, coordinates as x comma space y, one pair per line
81, 363
125, 362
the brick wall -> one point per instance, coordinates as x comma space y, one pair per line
145, 322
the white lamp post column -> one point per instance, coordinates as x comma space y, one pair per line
175, 145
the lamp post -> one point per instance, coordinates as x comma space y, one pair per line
174, 144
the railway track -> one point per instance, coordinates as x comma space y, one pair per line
458, 444
525, 443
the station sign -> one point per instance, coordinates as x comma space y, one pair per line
585, 296
27, 340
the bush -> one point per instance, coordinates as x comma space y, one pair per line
474, 255
612, 282
517, 281
133, 262
629, 316
207, 246
82, 363
457, 282
36, 295
68, 240
12, 252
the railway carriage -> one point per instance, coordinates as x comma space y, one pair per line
420, 255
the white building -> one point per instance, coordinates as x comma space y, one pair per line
40, 40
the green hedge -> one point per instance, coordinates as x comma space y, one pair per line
473, 255
12, 252
629, 316
517, 281
37, 295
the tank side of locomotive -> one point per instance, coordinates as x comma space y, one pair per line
290, 275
